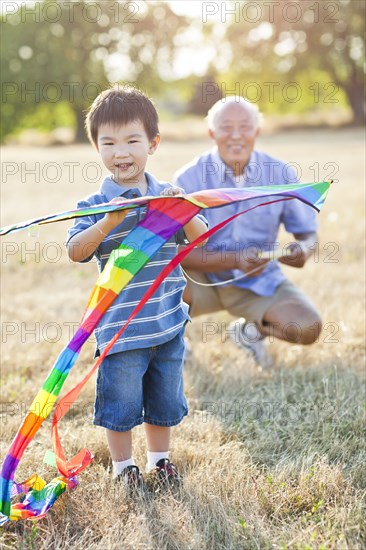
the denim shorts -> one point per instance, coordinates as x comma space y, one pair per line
142, 385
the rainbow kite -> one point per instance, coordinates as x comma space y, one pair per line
164, 217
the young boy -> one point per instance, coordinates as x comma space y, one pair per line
141, 380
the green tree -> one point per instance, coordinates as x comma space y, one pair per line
289, 39
54, 52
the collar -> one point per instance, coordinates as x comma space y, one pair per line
110, 189
248, 174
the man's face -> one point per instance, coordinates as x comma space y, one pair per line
235, 132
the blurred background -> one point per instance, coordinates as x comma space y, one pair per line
301, 62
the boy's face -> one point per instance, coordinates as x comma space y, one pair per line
124, 151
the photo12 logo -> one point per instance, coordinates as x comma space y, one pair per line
255, 12
69, 10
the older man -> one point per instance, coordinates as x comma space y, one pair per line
237, 270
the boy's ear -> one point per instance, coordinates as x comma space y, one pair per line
154, 144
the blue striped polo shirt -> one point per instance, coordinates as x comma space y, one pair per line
165, 313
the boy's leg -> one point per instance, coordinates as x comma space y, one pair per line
120, 448
158, 438
158, 444
162, 472
120, 445
118, 405
164, 405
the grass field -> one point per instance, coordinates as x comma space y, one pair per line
270, 459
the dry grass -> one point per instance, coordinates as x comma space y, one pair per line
270, 460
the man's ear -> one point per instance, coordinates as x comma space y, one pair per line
154, 144
211, 133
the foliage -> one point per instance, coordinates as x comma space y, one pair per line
288, 57
87, 46
293, 40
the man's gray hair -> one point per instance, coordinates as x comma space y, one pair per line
216, 108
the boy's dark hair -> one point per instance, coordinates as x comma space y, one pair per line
120, 105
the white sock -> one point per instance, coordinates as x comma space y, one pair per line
118, 467
153, 458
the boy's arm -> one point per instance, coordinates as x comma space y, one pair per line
83, 244
195, 227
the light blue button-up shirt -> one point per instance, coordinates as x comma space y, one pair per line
255, 230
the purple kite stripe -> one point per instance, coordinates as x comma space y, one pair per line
161, 224
10, 464
78, 340
17, 489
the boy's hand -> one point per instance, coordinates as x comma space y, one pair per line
172, 192
112, 219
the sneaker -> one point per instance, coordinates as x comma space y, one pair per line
164, 475
131, 478
238, 331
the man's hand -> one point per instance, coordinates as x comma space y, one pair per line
298, 252
252, 267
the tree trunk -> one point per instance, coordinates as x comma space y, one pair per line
355, 94
80, 134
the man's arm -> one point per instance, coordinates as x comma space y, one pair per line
207, 261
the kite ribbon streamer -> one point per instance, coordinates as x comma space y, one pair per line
165, 216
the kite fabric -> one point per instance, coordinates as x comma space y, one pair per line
313, 194
164, 217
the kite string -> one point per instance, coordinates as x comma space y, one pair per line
220, 283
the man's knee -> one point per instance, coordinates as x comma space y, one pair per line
305, 331
310, 332
297, 325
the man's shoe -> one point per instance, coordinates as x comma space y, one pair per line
238, 332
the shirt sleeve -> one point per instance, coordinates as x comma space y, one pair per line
297, 216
